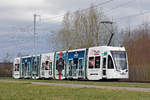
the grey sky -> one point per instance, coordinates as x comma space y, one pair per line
16, 19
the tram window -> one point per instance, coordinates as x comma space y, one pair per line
43, 66
75, 61
16, 67
97, 62
91, 62
70, 67
80, 64
35, 66
104, 62
23, 69
50, 65
46, 67
110, 63
28, 68
26, 65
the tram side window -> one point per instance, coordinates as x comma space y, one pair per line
47, 66
16, 67
80, 64
97, 62
50, 67
26, 65
91, 62
43, 66
110, 63
75, 61
104, 62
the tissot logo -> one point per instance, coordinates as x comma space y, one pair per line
95, 52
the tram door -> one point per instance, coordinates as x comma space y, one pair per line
70, 68
23, 70
50, 68
35, 67
42, 69
80, 70
74, 67
27, 69
46, 69
104, 66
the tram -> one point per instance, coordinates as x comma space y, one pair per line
94, 63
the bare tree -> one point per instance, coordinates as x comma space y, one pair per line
84, 29
137, 45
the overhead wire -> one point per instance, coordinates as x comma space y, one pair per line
118, 6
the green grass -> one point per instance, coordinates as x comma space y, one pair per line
27, 91
98, 83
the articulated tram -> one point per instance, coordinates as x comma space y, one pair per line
94, 63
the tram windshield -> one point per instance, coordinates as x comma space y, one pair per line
120, 59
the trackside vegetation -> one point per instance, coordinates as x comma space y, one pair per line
97, 83
27, 91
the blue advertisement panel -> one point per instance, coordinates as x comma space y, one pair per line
26, 67
76, 64
60, 62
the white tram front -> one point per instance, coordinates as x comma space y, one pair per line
106, 62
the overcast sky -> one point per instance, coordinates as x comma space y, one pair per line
16, 18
